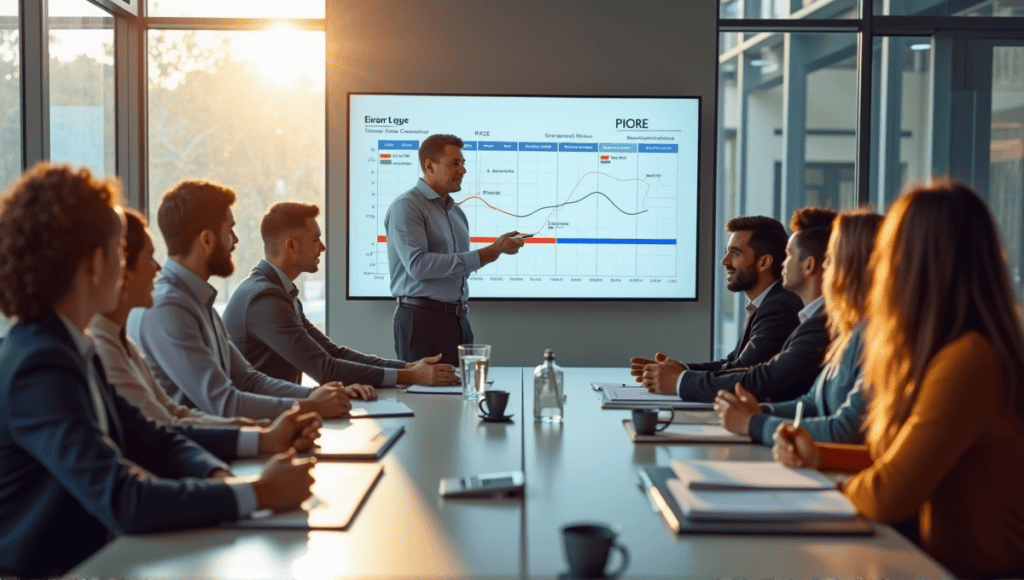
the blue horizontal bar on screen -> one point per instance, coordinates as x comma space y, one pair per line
642, 242
469, 146
399, 145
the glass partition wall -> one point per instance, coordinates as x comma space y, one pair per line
841, 103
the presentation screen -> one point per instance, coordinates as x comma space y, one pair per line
606, 186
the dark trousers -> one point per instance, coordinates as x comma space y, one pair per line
420, 332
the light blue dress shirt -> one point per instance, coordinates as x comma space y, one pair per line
187, 347
428, 246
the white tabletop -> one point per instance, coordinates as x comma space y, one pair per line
583, 469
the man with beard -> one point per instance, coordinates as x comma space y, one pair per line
789, 373
184, 339
753, 264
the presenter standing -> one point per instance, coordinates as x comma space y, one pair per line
429, 256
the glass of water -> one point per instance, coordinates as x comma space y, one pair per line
474, 360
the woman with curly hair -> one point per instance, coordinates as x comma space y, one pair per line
944, 361
76, 460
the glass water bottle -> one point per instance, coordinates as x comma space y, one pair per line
548, 383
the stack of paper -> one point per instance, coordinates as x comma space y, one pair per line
619, 397
755, 491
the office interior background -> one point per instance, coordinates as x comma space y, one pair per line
836, 103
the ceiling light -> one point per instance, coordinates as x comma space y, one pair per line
923, 46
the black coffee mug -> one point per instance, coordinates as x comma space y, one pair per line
496, 402
587, 547
645, 421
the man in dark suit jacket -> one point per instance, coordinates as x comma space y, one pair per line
753, 265
789, 373
265, 320
65, 484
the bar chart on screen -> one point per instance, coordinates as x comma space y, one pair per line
610, 211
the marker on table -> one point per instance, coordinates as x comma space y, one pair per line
799, 414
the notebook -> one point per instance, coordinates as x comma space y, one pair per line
339, 490
379, 408
761, 505
685, 434
359, 440
425, 390
619, 397
655, 481
748, 475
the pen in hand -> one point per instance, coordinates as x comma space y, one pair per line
799, 414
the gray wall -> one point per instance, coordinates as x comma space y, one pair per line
533, 47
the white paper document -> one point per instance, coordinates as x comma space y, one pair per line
761, 505
619, 397
685, 434
379, 408
748, 475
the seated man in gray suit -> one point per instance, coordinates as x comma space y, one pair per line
753, 265
182, 336
265, 320
790, 373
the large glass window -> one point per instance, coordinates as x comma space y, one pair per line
236, 8
82, 85
788, 136
1006, 153
902, 116
245, 109
10, 93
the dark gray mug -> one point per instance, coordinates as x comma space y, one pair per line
496, 402
645, 421
587, 547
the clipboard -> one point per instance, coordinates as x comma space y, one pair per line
339, 490
653, 480
363, 440
617, 397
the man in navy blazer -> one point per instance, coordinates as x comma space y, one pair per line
753, 265
64, 485
789, 373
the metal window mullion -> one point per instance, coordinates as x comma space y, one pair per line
130, 90
865, 66
35, 89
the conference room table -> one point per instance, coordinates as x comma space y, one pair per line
581, 470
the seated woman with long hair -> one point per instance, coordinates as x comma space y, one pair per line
944, 361
78, 462
834, 408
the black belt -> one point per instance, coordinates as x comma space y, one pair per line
456, 309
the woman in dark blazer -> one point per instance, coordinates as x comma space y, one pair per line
77, 462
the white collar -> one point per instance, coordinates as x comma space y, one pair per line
760, 297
